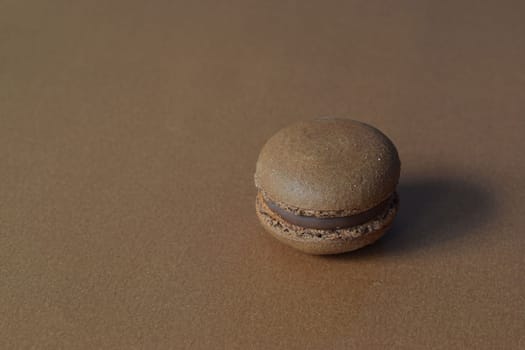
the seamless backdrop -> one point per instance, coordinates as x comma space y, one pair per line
129, 132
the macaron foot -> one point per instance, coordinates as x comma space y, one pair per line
324, 242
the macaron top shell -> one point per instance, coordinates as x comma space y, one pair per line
333, 166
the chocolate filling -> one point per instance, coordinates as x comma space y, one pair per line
329, 223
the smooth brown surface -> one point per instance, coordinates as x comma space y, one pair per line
328, 166
129, 133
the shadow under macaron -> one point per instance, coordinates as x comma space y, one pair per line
432, 211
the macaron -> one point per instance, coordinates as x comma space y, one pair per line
328, 185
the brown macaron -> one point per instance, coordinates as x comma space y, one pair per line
328, 185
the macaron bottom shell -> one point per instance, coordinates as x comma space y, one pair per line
324, 242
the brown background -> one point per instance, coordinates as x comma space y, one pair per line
129, 132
